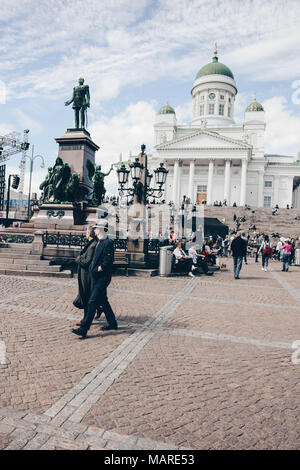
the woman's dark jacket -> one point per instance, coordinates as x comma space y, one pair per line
84, 278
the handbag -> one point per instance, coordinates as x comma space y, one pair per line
78, 302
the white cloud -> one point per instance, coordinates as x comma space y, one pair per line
184, 112
25, 121
113, 42
282, 130
123, 133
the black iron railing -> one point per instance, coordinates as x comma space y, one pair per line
16, 238
121, 244
64, 239
71, 240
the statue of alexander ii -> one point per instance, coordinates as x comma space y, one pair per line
81, 101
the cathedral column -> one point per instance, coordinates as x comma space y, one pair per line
276, 190
260, 201
243, 183
210, 182
191, 181
227, 181
175, 181
178, 200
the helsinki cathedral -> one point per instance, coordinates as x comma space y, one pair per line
214, 158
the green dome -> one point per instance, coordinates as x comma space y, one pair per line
215, 67
255, 106
167, 109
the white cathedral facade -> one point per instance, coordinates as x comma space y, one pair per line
215, 159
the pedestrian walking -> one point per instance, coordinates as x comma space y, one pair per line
84, 279
101, 271
238, 250
266, 252
226, 246
246, 241
286, 255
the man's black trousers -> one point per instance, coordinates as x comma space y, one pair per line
99, 297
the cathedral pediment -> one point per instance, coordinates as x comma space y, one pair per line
203, 139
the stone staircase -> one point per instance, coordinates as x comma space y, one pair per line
284, 223
16, 259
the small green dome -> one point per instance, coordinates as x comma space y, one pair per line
215, 67
255, 106
166, 109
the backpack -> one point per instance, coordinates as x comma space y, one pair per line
268, 250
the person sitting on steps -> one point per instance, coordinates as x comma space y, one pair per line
182, 261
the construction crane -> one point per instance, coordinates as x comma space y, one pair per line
11, 144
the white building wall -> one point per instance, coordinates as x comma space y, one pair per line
296, 198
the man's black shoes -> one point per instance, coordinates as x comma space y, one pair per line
109, 327
79, 332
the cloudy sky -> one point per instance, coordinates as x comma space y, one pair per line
135, 53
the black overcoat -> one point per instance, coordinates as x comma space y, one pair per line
84, 278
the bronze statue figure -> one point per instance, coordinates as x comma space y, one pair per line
97, 178
46, 186
81, 101
62, 175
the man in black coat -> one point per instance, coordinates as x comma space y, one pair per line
239, 251
101, 271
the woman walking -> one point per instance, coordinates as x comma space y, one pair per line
84, 279
286, 255
266, 252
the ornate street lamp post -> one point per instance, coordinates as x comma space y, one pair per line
140, 190
141, 179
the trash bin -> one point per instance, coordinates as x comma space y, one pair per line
297, 257
165, 260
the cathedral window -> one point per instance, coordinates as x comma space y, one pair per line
221, 109
268, 184
222, 97
267, 201
211, 109
163, 138
201, 110
229, 111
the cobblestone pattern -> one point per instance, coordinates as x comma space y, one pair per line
28, 431
184, 377
44, 360
205, 395
261, 322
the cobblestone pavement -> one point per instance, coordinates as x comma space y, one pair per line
202, 363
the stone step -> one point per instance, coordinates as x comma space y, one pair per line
15, 250
141, 272
12, 272
24, 260
29, 267
14, 255
25, 247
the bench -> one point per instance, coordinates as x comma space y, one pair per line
121, 260
178, 269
